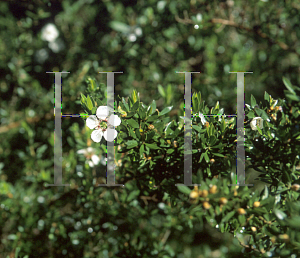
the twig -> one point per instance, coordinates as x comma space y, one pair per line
257, 31
166, 236
187, 20
5, 128
145, 198
265, 221
251, 247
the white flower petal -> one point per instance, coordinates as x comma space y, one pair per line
49, 32
90, 149
203, 121
91, 122
95, 159
114, 120
110, 139
97, 135
82, 151
91, 164
102, 112
276, 102
256, 121
103, 161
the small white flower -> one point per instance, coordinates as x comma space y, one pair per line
49, 32
56, 46
102, 122
203, 121
41, 55
138, 31
275, 103
220, 118
90, 155
256, 121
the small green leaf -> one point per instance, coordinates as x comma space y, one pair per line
253, 101
89, 103
201, 157
152, 146
165, 111
206, 157
217, 106
133, 194
131, 144
161, 91
152, 118
259, 130
197, 128
125, 104
184, 189
170, 151
288, 85
83, 98
151, 108
267, 96
91, 83
133, 123
294, 222
169, 94
120, 26
135, 96
218, 155
135, 106
293, 97
208, 172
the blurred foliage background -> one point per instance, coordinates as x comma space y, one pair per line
148, 41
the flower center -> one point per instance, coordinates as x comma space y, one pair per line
102, 124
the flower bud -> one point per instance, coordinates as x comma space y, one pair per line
241, 211
213, 189
295, 187
194, 194
256, 204
151, 127
204, 193
253, 229
273, 239
223, 200
212, 161
206, 205
284, 237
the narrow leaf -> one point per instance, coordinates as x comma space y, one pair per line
288, 85
184, 189
253, 101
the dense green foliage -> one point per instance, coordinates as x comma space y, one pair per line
149, 41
